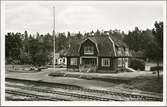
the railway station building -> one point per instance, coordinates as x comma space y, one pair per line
104, 53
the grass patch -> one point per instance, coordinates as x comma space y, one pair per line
144, 83
151, 84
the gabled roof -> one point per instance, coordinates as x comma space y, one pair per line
103, 43
105, 46
118, 41
92, 39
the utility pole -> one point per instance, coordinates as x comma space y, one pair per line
54, 38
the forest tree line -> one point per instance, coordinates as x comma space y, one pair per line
37, 49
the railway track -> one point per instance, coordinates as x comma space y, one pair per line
77, 95
32, 97
88, 95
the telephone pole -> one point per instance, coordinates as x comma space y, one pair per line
54, 38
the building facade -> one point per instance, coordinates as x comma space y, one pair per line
104, 53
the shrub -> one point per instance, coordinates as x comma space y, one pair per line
57, 74
155, 68
137, 64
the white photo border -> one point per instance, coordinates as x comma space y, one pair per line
76, 103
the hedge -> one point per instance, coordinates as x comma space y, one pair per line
137, 64
155, 68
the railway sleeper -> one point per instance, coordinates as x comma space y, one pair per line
101, 91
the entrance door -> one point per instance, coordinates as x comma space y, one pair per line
89, 62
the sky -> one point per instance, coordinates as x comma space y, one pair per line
36, 16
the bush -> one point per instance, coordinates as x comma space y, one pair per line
155, 68
137, 64
57, 74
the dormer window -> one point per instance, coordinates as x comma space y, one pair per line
88, 50
119, 51
126, 52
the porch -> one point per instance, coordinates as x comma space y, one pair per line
88, 64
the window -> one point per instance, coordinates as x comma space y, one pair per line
106, 62
119, 52
89, 61
126, 52
73, 61
119, 62
88, 50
